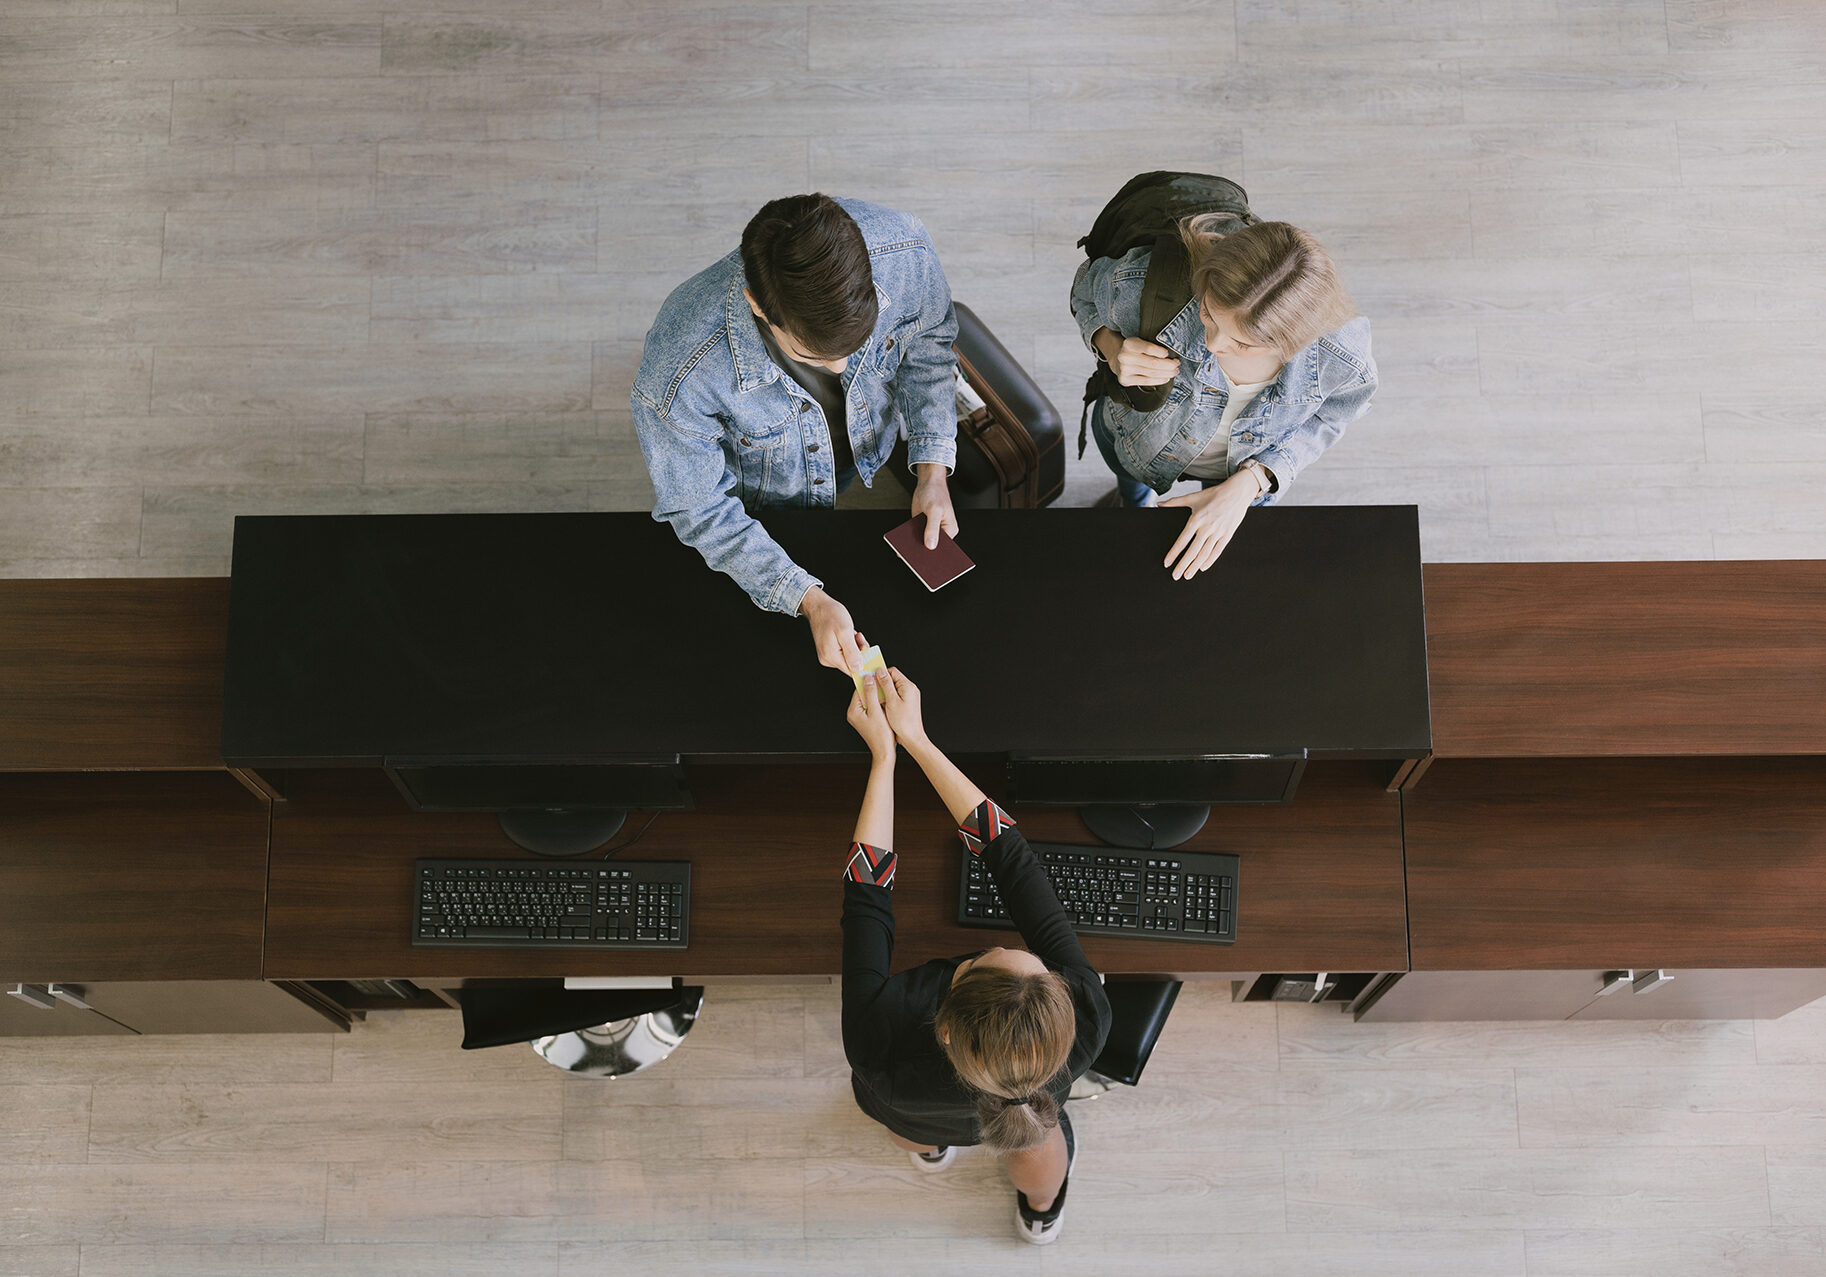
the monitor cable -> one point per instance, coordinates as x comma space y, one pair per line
622, 846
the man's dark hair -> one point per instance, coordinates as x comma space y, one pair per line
808, 268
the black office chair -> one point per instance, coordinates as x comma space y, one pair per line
1138, 1012
592, 1032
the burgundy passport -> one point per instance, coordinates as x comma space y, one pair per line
935, 567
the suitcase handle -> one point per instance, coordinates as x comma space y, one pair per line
1010, 451
1005, 453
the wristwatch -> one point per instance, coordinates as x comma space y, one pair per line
1264, 483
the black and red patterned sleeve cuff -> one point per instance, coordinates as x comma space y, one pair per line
870, 865
984, 824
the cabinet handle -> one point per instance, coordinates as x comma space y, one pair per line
33, 995
1614, 981
1650, 980
71, 993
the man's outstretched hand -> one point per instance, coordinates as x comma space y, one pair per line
833, 632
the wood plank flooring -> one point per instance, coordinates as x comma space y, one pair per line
1287, 1140
1588, 235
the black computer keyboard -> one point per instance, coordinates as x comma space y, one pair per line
1110, 891
531, 904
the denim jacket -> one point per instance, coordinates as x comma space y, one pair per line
726, 432
1318, 392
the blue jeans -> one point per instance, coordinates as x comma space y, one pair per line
1132, 490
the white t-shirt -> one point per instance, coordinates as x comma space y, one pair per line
1214, 461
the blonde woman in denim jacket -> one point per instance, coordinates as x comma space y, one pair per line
1268, 362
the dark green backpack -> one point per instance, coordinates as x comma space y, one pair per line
1146, 213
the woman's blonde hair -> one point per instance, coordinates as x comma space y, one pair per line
1008, 1035
1278, 281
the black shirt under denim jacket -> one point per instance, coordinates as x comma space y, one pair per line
897, 1069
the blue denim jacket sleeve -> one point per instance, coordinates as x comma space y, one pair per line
695, 489
1094, 298
923, 394
1346, 382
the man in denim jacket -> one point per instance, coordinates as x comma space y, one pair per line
784, 371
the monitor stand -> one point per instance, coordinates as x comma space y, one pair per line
1146, 826
561, 831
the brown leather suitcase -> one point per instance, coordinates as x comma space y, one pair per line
1011, 451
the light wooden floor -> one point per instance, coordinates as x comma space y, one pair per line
386, 255
1263, 1140
335, 255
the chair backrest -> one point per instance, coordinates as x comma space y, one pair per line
1138, 1012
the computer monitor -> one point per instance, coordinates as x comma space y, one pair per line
555, 807
1153, 804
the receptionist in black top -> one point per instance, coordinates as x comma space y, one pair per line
978, 1049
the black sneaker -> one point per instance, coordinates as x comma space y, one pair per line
1042, 1228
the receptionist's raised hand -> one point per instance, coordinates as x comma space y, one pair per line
900, 702
870, 720
833, 632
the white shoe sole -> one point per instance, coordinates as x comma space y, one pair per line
1028, 1235
933, 1168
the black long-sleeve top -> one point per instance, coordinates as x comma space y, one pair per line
898, 1070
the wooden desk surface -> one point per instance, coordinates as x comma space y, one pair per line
1617, 863
1321, 883
130, 877
1626, 659
112, 674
